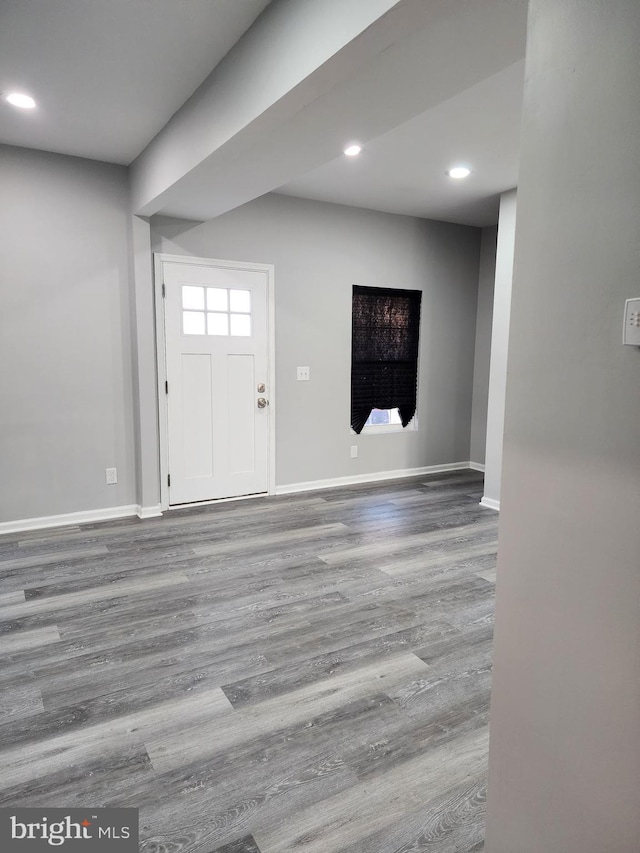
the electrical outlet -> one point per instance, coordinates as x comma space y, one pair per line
354, 451
303, 374
631, 333
112, 476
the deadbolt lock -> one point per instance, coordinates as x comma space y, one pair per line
262, 388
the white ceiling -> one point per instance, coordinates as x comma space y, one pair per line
404, 170
109, 74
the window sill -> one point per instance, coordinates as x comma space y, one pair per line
383, 429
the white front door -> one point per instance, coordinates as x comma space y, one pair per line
217, 370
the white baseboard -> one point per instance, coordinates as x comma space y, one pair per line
71, 519
476, 466
149, 511
68, 519
312, 485
489, 503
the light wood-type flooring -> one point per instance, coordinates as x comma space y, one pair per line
308, 672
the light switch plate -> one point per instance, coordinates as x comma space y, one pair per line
631, 330
303, 374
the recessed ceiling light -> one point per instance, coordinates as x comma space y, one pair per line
25, 102
459, 172
353, 150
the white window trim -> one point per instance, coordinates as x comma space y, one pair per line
381, 429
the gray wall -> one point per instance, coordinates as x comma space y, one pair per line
565, 719
69, 258
486, 281
65, 366
319, 251
499, 348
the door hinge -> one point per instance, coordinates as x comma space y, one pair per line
168, 479
166, 387
164, 290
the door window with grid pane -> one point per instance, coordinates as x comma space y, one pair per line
216, 311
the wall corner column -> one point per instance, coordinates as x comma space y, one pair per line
145, 371
499, 349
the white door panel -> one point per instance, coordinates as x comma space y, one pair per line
195, 421
216, 357
242, 407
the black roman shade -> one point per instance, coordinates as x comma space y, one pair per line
384, 352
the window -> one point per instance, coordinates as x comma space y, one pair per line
383, 417
216, 311
384, 355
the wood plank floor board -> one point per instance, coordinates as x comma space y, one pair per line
308, 672
274, 541
446, 824
446, 496
223, 520
392, 741
304, 670
374, 548
227, 538
243, 845
85, 582
220, 656
372, 806
418, 515
26, 641
97, 779
73, 600
36, 574
224, 812
382, 631
118, 612
280, 775
63, 710
25, 762
16, 557
22, 702
14, 566
454, 553
151, 678
16, 597
281, 712
314, 758
457, 646
146, 624
433, 695
488, 575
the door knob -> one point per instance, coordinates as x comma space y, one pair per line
262, 402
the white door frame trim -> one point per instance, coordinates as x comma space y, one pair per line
161, 350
